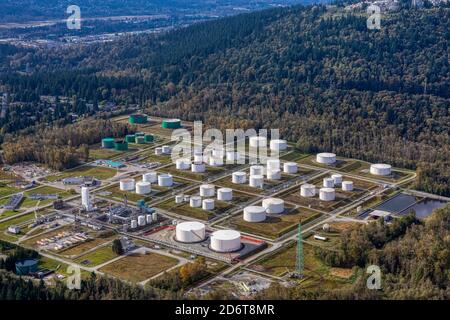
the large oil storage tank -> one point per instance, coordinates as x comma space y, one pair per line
273, 205
108, 143
151, 177
256, 170
198, 167
239, 177
179, 198
121, 145
127, 184
290, 167
273, 164
273, 174
190, 232
328, 182
347, 185
326, 158
225, 194
130, 138
195, 202
278, 145
183, 164
137, 119
337, 178
143, 187
171, 124
141, 221
165, 180
149, 138
256, 181
327, 194
226, 241
208, 204
207, 190
307, 190
380, 169
256, 142
254, 214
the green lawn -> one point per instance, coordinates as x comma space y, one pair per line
100, 173
97, 257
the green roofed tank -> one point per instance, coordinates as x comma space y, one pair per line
171, 124
140, 140
108, 143
149, 138
121, 145
130, 138
26, 267
137, 119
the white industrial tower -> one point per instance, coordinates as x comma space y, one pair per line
85, 201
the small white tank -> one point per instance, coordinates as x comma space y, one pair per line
151, 177
239, 177
143, 187
127, 184
273, 174
337, 178
290, 167
256, 181
166, 149
307, 190
154, 216
141, 221
198, 167
233, 156
179, 198
215, 162
273, 205
278, 145
347, 185
256, 170
165, 180
149, 218
182, 164
195, 202
134, 224
254, 214
328, 182
273, 164
327, 194
256, 142
326, 158
208, 204
158, 151
207, 190
225, 194
380, 169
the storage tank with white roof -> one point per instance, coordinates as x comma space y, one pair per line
195, 202
307, 190
254, 214
143, 187
278, 145
380, 169
165, 180
328, 182
127, 184
239, 177
198, 167
326, 158
257, 141
347, 185
207, 190
337, 178
256, 170
151, 177
256, 181
225, 241
327, 194
290, 167
225, 194
273, 205
190, 232
208, 204
273, 174
182, 164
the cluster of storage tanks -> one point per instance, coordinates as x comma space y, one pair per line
259, 213
377, 169
222, 241
274, 145
143, 220
205, 199
328, 191
144, 187
164, 150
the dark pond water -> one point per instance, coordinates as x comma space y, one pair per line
398, 203
425, 207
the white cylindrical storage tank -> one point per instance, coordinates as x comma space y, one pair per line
207, 190
195, 202
218, 153
191, 231
327, 194
273, 205
278, 145
208, 204
198, 167
326, 158
256, 181
337, 178
141, 221
239, 177
149, 218
126, 184
154, 216
158, 151
256, 142
179, 198
307, 190
225, 194
134, 224
347, 185
233, 156
166, 149
328, 183
226, 241
151, 177
165, 180
256, 170
273, 174
290, 167
198, 158
182, 164
273, 164
143, 187
380, 169
215, 162
254, 214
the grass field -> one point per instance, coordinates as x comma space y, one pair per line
210, 171
294, 156
15, 221
101, 153
139, 267
100, 173
7, 190
97, 257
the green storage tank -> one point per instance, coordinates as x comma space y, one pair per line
130, 138
149, 138
121, 145
139, 134
140, 140
108, 143
137, 119
171, 124
26, 267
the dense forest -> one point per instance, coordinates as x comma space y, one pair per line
317, 73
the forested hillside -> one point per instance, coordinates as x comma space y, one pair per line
317, 73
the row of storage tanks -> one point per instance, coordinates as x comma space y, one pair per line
143, 220
220, 241
377, 169
327, 192
143, 119
144, 186
206, 191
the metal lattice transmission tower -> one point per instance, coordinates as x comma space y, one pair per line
299, 262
